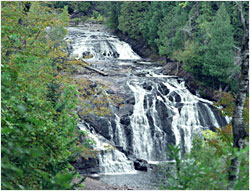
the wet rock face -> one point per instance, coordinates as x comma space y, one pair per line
155, 110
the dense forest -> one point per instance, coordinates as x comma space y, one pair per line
39, 98
204, 37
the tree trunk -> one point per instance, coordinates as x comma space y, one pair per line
239, 130
177, 69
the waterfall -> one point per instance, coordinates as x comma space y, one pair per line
142, 139
158, 110
110, 159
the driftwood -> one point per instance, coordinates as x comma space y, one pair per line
96, 70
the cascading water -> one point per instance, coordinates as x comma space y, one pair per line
158, 110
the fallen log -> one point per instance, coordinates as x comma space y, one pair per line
96, 70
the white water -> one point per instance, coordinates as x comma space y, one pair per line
164, 113
119, 133
100, 43
142, 139
110, 159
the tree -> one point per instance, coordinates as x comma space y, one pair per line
81, 6
111, 12
131, 17
239, 129
38, 123
151, 20
219, 56
171, 37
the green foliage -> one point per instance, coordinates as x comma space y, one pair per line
171, 36
131, 17
151, 20
190, 58
218, 59
39, 137
206, 167
227, 104
74, 6
96, 16
111, 12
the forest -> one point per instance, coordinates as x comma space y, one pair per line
40, 98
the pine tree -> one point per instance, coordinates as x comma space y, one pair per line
151, 20
171, 37
131, 17
111, 12
219, 56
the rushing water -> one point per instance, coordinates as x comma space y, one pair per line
158, 110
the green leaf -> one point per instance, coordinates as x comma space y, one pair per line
21, 108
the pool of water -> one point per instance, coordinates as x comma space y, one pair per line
139, 180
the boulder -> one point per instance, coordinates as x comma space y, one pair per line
169, 68
141, 164
86, 166
125, 120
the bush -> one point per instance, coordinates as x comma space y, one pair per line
207, 166
39, 135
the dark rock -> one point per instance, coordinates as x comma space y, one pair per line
147, 86
86, 166
141, 164
93, 36
139, 46
179, 106
145, 104
171, 98
101, 125
125, 120
177, 98
170, 68
163, 89
174, 97
212, 128
204, 115
93, 85
116, 55
165, 120
221, 120
86, 53
150, 121
121, 149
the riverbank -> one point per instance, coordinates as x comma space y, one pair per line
93, 184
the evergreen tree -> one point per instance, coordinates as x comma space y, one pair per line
219, 56
111, 12
171, 36
131, 17
151, 20
198, 27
